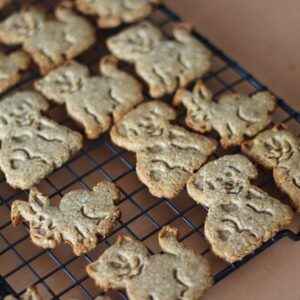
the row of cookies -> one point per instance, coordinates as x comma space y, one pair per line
152, 119
177, 273
240, 217
169, 140
163, 63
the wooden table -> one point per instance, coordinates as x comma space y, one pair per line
263, 37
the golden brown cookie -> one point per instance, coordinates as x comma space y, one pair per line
95, 102
80, 220
279, 150
178, 273
241, 216
31, 152
11, 67
112, 13
32, 145
49, 40
20, 109
234, 116
163, 63
167, 155
103, 298
31, 294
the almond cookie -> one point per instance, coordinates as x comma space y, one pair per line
31, 152
11, 67
112, 13
178, 273
234, 116
279, 150
80, 220
163, 63
20, 109
49, 40
95, 102
167, 155
241, 216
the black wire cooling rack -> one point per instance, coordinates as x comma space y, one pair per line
58, 273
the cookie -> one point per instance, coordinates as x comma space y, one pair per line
112, 13
279, 150
163, 63
234, 116
31, 152
95, 102
167, 155
178, 273
241, 216
11, 67
80, 220
49, 40
20, 109
31, 294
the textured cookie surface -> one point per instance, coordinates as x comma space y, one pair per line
166, 154
234, 116
241, 216
111, 13
164, 64
30, 294
20, 109
50, 41
81, 218
11, 67
31, 152
178, 273
95, 102
278, 149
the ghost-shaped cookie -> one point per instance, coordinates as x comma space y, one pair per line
20, 109
163, 63
278, 149
112, 13
49, 40
167, 155
241, 216
32, 145
11, 67
31, 152
178, 273
95, 102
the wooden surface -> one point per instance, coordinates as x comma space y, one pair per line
263, 37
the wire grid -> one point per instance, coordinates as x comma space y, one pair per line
58, 273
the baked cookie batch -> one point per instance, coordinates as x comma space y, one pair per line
240, 217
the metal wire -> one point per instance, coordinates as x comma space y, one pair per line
101, 159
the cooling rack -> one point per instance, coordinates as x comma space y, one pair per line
58, 273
